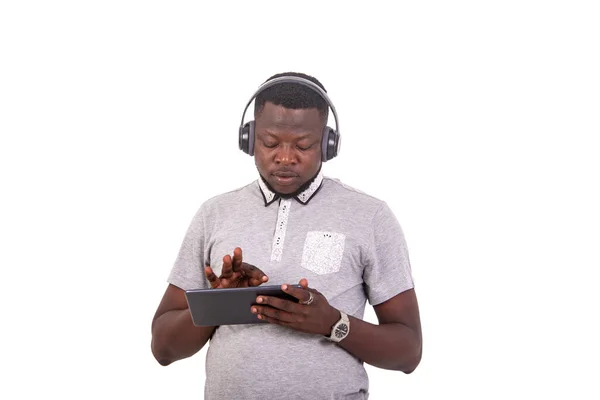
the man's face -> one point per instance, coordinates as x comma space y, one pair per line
287, 148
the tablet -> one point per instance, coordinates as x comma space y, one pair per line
213, 307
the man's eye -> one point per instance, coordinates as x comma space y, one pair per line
303, 148
270, 145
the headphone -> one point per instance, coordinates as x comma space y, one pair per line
331, 142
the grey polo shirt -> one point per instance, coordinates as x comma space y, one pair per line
347, 244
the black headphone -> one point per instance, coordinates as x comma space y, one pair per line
331, 143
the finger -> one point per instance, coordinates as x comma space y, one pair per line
212, 278
258, 281
226, 270
304, 283
281, 304
272, 320
301, 293
273, 314
237, 259
254, 274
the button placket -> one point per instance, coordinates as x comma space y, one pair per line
280, 229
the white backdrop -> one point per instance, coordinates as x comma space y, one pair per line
474, 120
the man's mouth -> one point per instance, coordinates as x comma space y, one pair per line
285, 174
284, 177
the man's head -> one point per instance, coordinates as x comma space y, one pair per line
289, 123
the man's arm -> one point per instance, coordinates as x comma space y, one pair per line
174, 336
396, 343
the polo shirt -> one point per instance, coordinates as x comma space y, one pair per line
347, 244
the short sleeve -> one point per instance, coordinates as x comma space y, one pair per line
188, 270
387, 271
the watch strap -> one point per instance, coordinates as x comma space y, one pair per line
340, 329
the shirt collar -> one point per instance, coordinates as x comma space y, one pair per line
302, 197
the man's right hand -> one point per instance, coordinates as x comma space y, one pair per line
235, 273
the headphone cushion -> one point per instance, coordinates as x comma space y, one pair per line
251, 138
329, 144
246, 138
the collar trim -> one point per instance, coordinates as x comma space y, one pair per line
303, 197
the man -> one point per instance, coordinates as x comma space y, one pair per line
293, 225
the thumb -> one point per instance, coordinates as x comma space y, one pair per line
304, 283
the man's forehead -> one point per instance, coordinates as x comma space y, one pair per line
297, 134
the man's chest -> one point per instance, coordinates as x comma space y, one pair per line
289, 243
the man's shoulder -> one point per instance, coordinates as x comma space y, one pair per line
233, 196
346, 190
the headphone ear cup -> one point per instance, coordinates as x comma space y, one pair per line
246, 139
330, 144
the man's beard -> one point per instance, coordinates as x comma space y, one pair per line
301, 189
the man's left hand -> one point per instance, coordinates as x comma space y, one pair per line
312, 314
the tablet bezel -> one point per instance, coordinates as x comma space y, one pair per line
214, 307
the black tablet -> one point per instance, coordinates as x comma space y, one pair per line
213, 307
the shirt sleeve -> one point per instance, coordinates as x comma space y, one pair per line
188, 270
387, 271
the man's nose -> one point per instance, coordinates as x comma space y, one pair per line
286, 155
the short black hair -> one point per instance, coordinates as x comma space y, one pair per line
292, 95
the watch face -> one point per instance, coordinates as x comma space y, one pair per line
341, 330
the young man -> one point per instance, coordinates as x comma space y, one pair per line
342, 246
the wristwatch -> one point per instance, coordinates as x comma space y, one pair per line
340, 329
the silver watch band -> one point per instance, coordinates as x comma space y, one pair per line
340, 329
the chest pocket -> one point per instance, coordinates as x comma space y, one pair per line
323, 252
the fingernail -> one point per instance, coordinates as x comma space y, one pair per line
259, 300
284, 287
260, 317
254, 310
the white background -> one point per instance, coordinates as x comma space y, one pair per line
474, 120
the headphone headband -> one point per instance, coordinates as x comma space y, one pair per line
301, 81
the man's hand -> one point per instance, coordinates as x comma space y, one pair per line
317, 317
235, 273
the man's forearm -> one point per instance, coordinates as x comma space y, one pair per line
389, 346
175, 337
